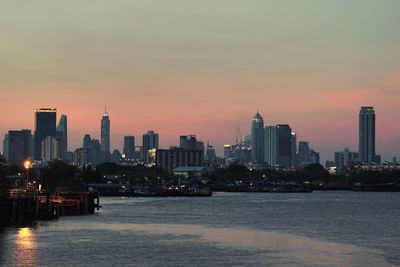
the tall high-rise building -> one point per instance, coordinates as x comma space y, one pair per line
87, 141
304, 155
257, 138
294, 150
188, 142
105, 133
270, 145
150, 141
90, 153
284, 136
129, 147
62, 134
210, 153
5, 147
45, 125
345, 158
278, 146
50, 148
367, 134
19, 146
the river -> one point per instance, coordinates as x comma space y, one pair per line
228, 229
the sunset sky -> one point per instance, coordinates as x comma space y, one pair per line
204, 68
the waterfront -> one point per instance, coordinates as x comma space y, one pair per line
253, 229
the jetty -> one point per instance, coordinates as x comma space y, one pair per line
23, 206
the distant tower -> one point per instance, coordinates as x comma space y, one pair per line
271, 145
45, 125
150, 141
129, 147
367, 134
105, 133
257, 138
62, 134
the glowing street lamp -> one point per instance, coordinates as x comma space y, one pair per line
27, 166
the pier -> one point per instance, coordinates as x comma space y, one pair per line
19, 207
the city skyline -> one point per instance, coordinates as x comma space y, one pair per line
204, 68
178, 139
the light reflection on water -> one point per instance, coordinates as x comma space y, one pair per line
299, 249
22, 248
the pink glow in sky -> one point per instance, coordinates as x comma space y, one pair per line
204, 68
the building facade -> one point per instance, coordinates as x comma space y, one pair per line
105, 136
257, 138
62, 134
19, 146
169, 159
45, 125
367, 134
129, 147
149, 141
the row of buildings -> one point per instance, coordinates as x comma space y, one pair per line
273, 146
49, 141
366, 153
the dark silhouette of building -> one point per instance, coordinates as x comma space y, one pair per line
45, 125
170, 159
304, 155
129, 147
19, 146
284, 142
105, 136
367, 134
257, 138
150, 141
62, 135
90, 153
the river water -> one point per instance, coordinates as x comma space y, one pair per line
227, 229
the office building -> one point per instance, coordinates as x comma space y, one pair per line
62, 134
50, 149
149, 141
5, 147
271, 146
257, 137
19, 146
345, 158
210, 153
284, 145
45, 125
129, 147
304, 155
367, 134
105, 136
170, 159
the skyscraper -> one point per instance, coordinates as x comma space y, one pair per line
284, 138
105, 136
270, 145
367, 134
150, 141
294, 150
190, 142
62, 135
257, 138
5, 147
19, 146
304, 155
129, 147
45, 125
50, 148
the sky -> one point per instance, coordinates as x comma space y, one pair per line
204, 67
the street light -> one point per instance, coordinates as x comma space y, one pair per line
27, 166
